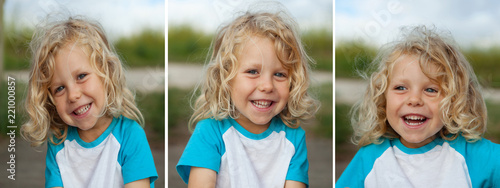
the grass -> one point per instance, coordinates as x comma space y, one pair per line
343, 130
144, 49
152, 106
493, 128
187, 45
324, 117
19, 112
179, 110
319, 46
192, 46
352, 56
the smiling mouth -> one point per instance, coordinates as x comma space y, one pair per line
82, 109
414, 120
262, 104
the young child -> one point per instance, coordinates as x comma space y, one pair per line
252, 101
421, 121
78, 100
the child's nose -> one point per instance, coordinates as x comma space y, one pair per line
74, 94
415, 99
266, 84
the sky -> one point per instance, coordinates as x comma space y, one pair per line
207, 15
471, 23
126, 17
373, 21
118, 17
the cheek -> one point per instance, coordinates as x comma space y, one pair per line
391, 110
97, 87
389, 103
60, 107
283, 88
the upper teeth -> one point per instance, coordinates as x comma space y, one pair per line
261, 104
415, 117
82, 109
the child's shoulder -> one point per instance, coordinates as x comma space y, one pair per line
126, 128
376, 149
480, 147
481, 158
126, 125
384, 144
297, 132
212, 126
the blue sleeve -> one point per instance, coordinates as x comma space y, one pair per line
52, 173
135, 155
483, 162
204, 149
299, 165
362, 163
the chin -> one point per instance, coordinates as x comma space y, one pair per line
261, 122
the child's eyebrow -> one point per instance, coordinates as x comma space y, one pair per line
251, 64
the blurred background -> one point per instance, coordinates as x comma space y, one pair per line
191, 26
137, 30
361, 27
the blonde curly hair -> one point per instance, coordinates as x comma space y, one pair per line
43, 120
463, 110
214, 100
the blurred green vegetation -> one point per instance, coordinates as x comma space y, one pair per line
343, 129
19, 111
319, 46
179, 110
188, 45
152, 106
351, 56
16, 48
146, 48
324, 117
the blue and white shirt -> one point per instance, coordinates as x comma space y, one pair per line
441, 163
244, 159
120, 155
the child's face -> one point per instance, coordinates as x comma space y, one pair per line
413, 103
77, 91
260, 88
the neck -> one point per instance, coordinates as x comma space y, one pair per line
96, 131
251, 127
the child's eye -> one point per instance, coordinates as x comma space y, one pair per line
58, 89
400, 88
431, 90
279, 74
252, 71
81, 76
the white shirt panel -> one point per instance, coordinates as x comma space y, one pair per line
442, 166
79, 165
254, 163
